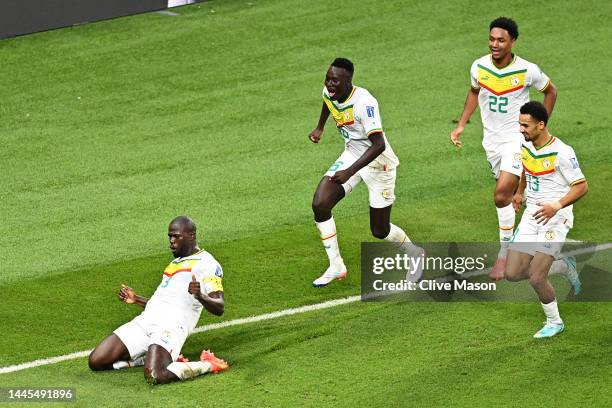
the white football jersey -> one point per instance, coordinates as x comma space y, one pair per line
502, 93
356, 119
172, 300
550, 171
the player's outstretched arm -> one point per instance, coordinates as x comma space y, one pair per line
213, 302
471, 102
549, 209
378, 146
550, 97
315, 135
127, 295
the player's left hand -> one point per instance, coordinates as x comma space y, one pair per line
194, 287
546, 212
341, 176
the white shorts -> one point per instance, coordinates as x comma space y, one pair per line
139, 334
380, 182
530, 236
506, 157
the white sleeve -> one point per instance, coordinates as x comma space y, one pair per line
537, 79
369, 116
474, 76
569, 167
210, 275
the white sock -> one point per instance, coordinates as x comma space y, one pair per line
505, 218
137, 362
329, 238
189, 370
552, 312
399, 237
559, 266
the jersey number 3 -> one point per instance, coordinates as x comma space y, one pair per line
498, 104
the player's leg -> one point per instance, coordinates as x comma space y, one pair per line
506, 164
517, 265
327, 195
161, 365
538, 279
504, 190
108, 352
325, 198
156, 365
381, 188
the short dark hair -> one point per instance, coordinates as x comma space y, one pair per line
536, 110
507, 24
185, 222
344, 63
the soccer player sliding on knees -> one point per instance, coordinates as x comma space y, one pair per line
190, 283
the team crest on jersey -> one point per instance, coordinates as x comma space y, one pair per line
515, 81
370, 111
546, 163
549, 235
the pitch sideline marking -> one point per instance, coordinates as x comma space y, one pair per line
253, 319
208, 327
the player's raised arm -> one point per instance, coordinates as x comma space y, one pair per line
315, 135
127, 295
213, 302
471, 102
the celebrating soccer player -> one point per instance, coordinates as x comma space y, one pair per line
500, 85
553, 182
190, 282
367, 157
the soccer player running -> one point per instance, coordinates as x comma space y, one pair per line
190, 282
367, 157
500, 85
553, 182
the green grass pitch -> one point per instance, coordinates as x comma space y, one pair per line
109, 130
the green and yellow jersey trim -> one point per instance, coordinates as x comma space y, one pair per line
539, 165
501, 84
343, 116
580, 181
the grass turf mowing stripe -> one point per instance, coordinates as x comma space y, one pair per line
262, 317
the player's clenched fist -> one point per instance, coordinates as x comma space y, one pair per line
315, 135
194, 286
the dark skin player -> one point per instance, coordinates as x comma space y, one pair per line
339, 84
183, 243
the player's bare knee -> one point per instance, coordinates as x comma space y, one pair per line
95, 363
537, 280
513, 274
321, 209
502, 198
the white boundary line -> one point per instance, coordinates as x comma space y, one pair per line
208, 327
259, 318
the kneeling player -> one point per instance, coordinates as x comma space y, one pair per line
553, 181
190, 282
